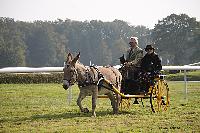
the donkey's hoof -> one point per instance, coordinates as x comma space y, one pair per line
94, 115
85, 110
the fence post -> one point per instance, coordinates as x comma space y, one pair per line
69, 96
185, 80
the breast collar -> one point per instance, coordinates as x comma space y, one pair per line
91, 76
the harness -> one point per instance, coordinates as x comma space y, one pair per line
101, 84
92, 76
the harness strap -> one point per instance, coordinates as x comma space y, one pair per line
90, 77
100, 84
100, 75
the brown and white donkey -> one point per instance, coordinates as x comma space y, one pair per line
87, 79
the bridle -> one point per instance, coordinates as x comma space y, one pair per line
90, 76
72, 72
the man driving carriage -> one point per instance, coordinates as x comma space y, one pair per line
130, 68
133, 59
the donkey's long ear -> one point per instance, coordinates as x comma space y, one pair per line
69, 58
75, 59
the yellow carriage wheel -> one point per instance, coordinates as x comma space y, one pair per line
159, 97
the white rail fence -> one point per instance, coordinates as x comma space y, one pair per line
60, 69
30, 69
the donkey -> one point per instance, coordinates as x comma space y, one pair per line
87, 79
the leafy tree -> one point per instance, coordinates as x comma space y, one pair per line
195, 44
45, 47
46, 43
104, 54
119, 48
172, 36
12, 46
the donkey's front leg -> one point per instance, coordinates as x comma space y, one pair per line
94, 101
79, 100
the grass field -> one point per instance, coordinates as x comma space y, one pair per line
44, 108
191, 76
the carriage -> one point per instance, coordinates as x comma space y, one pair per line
109, 82
146, 86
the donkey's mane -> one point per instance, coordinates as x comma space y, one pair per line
80, 65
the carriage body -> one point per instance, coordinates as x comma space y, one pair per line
139, 83
148, 85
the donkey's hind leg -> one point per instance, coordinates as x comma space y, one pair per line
113, 102
79, 100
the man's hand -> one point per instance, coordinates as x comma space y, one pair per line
122, 59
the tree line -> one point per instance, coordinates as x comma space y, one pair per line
46, 43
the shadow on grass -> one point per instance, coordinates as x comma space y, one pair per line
67, 115
76, 114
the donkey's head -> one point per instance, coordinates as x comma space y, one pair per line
70, 72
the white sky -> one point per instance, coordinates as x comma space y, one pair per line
136, 12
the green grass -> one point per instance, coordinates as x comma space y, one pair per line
191, 76
44, 108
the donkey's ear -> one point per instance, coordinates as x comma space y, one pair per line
75, 59
69, 58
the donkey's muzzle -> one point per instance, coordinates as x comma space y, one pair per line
65, 84
65, 87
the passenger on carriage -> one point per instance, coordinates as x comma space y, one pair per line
151, 62
150, 67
